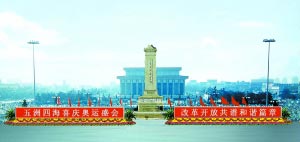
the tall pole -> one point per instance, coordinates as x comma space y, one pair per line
268, 75
269, 41
33, 62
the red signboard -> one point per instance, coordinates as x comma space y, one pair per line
227, 112
70, 112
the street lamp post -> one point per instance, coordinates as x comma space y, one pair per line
269, 41
33, 62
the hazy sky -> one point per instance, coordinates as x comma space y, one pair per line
88, 42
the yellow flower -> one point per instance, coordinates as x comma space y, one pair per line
34, 119
200, 118
193, 119
179, 119
20, 119
280, 120
76, 119
111, 119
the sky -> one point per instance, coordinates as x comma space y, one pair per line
89, 42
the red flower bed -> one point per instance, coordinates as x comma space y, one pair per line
65, 122
68, 123
223, 123
212, 121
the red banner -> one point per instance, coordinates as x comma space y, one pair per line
70, 112
227, 112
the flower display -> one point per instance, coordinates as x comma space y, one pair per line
69, 121
227, 121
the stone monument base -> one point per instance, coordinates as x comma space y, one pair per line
150, 115
150, 103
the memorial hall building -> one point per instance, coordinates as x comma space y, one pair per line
169, 82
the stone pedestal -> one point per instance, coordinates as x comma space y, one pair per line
150, 115
150, 103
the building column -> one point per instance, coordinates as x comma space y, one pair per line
122, 87
183, 87
179, 86
173, 91
180, 82
165, 87
137, 87
161, 88
168, 88
125, 87
131, 89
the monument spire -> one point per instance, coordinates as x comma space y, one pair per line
150, 101
150, 70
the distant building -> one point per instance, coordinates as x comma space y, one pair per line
169, 82
212, 82
274, 89
257, 84
293, 88
299, 89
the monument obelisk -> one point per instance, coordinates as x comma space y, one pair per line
150, 101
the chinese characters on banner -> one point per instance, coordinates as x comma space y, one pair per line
227, 112
70, 112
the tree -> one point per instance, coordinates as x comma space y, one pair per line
24, 104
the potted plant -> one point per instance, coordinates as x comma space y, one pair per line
285, 114
10, 114
129, 115
169, 114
